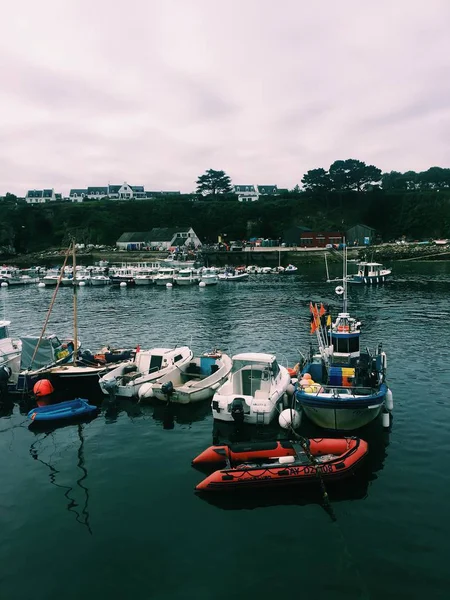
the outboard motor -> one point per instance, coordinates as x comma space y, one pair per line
237, 410
5, 374
111, 387
167, 389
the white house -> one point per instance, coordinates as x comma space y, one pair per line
160, 238
41, 196
251, 193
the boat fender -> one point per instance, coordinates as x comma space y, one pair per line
389, 401
290, 390
146, 391
386, 419
289, 419
42, 388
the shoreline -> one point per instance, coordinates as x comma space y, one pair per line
259, 256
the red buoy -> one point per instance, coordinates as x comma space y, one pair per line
42, 388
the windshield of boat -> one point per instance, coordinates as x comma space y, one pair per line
3, 332
262, 370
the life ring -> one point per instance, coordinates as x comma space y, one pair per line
339, 290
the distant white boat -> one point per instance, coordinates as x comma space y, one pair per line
290, 269
209, 276
100, 280
164, 276
186, 277
233, 276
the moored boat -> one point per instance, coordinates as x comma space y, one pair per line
146, 367
341, 387
254, 392
249, 466
370, 273
67, 410
194, 382
233, 275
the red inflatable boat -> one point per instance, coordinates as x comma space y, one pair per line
270, 464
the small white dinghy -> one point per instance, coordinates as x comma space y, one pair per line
254, 392
195, 382
146, 367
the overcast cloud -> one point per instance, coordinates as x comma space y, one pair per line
154, 92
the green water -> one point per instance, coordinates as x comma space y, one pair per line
107, 509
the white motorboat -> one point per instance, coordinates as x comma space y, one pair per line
233, 275
370, 273
290, 269
196, 381
10, 349
265, 270
50, 278
164, 276
186, 277
209, 276
255, 391
100, 280
13, 276
146, 367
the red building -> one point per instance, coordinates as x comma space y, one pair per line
320, 239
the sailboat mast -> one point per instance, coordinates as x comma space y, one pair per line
75, 324
344, 283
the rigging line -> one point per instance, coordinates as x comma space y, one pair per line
61, 274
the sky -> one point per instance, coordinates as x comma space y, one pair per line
154, 92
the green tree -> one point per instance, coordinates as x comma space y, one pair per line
352, 174
317, 180
213, 182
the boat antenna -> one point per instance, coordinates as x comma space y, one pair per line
344, 278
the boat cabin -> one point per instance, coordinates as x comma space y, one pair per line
252, 373
4, 332
151, 361
370, 269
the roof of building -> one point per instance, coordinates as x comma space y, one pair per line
100, 190
244, 188
114, 189
58, 196
134, 236
361, 225
165, 234
267, 189
137, 188
48, 193
77, 191
34, 193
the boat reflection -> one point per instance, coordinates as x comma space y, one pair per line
183, 414
80, 510
355, 487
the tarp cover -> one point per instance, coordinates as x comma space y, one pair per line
44, 356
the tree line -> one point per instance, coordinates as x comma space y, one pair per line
415, 205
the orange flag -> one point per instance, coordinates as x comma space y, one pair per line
322, 310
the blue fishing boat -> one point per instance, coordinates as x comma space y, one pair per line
341, 387
69, 409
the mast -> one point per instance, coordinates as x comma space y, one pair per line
75, 324
344, 278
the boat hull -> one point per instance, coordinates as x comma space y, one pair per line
342, 413
70, 409
345, 455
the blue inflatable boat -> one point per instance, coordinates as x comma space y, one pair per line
63, 410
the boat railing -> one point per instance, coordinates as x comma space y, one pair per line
339, 391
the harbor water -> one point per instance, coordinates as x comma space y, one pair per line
107, 509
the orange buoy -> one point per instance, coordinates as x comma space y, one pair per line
42, 388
